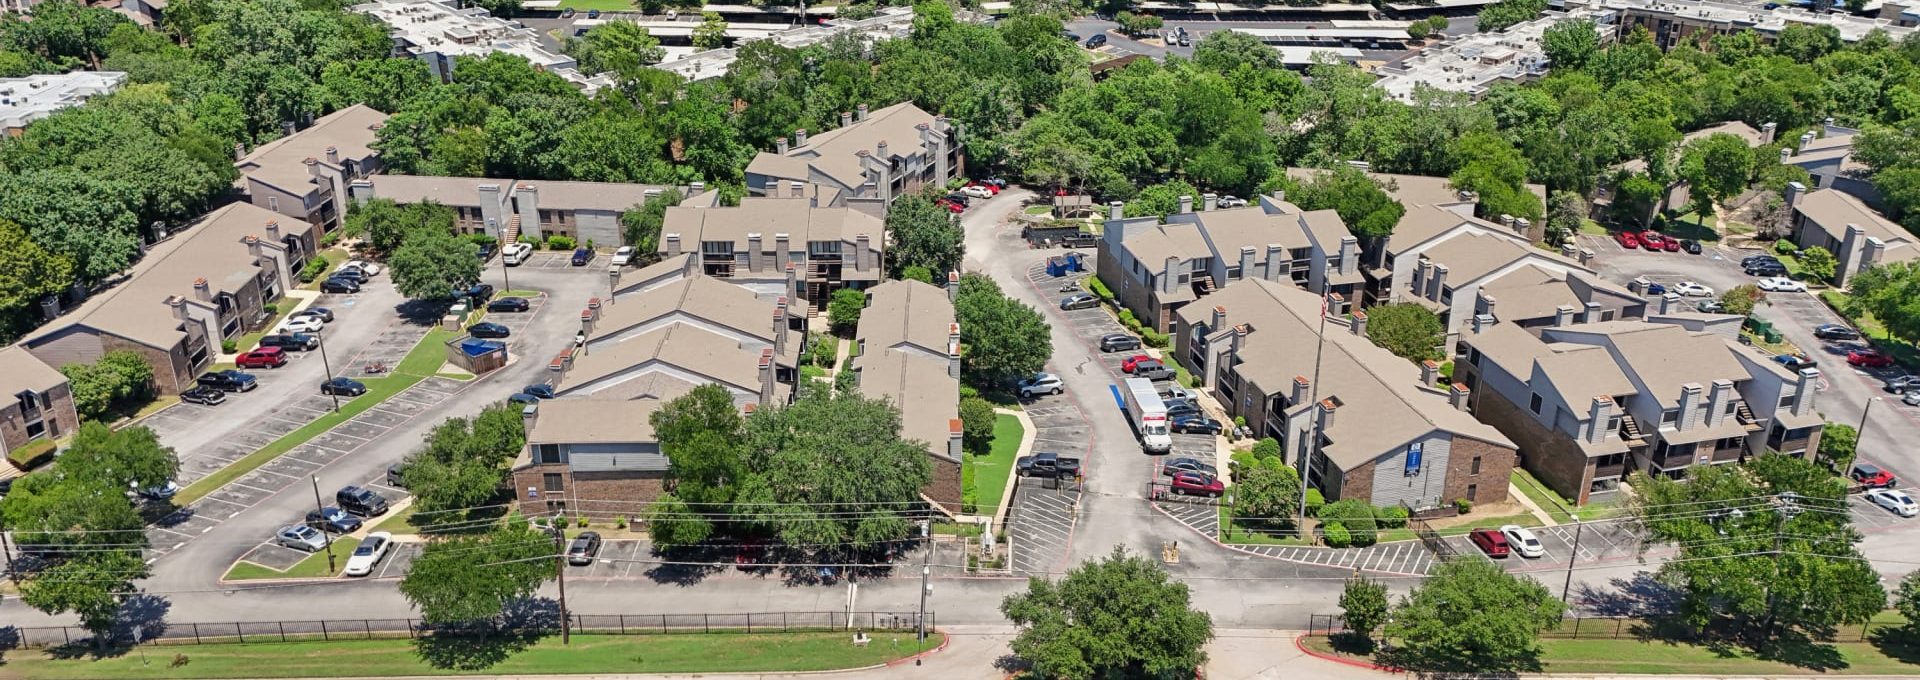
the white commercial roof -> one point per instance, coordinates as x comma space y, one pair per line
890, 22
1473, 62
421, 27
1734, 17
24, 100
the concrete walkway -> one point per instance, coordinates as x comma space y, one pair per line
1526, 501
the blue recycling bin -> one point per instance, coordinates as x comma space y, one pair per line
1056, 266
1074, 263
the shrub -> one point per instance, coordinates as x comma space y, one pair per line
559, 242
1153, 338
620, 523
315, 268
1099, 288
1129, 320
1267, 447
1315, 501
482, 239
1785, 247
1391, 517
1239, 421
969, 489
228, 346
31, 455
270, 309
1464, 505
330, 238
1356, 516
1336, 535
969, 391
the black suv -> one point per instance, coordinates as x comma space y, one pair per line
229, 381
203, 395
333, 520
362, 502
1079, 240
480, 292
291, 342
1766, 268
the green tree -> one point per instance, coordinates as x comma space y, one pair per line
622, 47
1267, 491
91, 587
1500, 15
828, 451
1410, 331
1364, 604
917, 273
1818, 262
1634, 198
1906, 600
451, 586
1227, 51
1363, 203
386, 225
1137, 24
843, 309
1891, 293
464, 461
1900, 188
1806, 43
1566, 212
117, 377
923, 234
1571, 44
1160, 199
640, 224
88, 220
1120, 617
1001, 338
1782, 563
700, 434
1496, 170
431, 265
1717, 167
27, 271
1741, 299
1471, 616
976, 424
712, 32
1837, 442
121, 459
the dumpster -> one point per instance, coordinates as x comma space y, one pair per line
1057, 266
1074, 263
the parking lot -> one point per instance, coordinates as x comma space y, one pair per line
273, 555
550, 259
1040, 524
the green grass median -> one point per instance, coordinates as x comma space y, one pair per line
603, 654
1663, 657
314, 566
991, 472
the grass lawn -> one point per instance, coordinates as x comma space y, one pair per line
427, 357
991, 472
333, 257
1239, 534
138, 411
1670, 658
1688, 226
1593, 228
399, 523
602, 5
1038, 209
378, 390
1525, 519
314, 566
1559, 507
599, 654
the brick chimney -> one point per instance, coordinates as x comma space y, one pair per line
780, 326
953, 355
1460, 394
273, 230
953, 286
780, 146
1429, 372
1209, 201
1301, 388
1219, 319
1718, 400
766, 377
1358, 324
1186, 204
333, 156
782, 251
1276, 254
1563, 316
860, 113
1598, 415
800, 137
201, 290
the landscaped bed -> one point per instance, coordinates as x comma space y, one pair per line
314, 566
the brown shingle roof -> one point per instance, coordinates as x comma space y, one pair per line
904, 333
594, 421
282, 162
832, 152
20, 371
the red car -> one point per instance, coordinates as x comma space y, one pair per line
1196, 484
265, 357
951, 206
1491, 542
1871, 476
1867, 358
1653, 240
1670, 244
1128, 364
994, 188
1627, 240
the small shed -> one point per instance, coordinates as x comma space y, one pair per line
476, 356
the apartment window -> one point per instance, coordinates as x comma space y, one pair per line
1446, 295
1670, 417
1476, 466
1730, 443
273, 203
548, 453
1606, 315
546, 217
1473, 492
552, 482
1534, 404
1786, 400
1613, 424
1233, 273
722, 249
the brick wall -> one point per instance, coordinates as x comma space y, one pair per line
1490, 485
171, 372
1555, 459
600, 495
1356, 483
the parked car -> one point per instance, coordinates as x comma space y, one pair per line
623, 256
302, 324
1710, 306
1835, 331
301, 537
538, 390
360, 501
1175, 466
1491, 542
1781, 284
1764, 268
960, 199
1911, 399
370, 268
522, 399
1691, 246
349, 274
517, 253
1692, 289
1153, 370
1232, 201
345, 387
1118, 342
368, 553
339, 286
332, 519
1656, 289
976, 191
155, 492
1794, 362
1128, 364
1904, 384
1173, 390
1669, 244
265, 357
1867, 358
509, 304
1895, 500
1183, 409
1040, 383
1652, 240
1196, 484
322, 313
203, 395
1079, 239
1097, 40
581, 256
300, 342
489, 329
1079, 301
479, 292
593, 14
1751, 260
229, 380
486, 251
1871, 476
1046, 464
1523, 541
1627, 240
584, 548
1197, 424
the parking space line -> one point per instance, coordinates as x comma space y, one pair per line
228, 502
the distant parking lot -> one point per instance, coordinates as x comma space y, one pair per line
547, 259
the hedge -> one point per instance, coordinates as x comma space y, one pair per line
32, 455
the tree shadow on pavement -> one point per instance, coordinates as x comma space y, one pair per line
482, 645
1641, 595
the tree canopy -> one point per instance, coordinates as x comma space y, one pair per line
1410, 331
1471, 616
923, 235
1363, 204
1001, 338
1120, 616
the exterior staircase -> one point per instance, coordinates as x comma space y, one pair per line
511, 234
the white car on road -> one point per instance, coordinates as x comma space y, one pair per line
1896, 500
623, 256
1691, 289
369, 553
302, 324
1781, 284
370, 268
1523, 541
976, 191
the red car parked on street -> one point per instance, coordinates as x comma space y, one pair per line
1492, 542
1627, 240
265, 357
1867, 358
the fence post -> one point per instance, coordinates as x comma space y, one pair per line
1576, 628
237, 632
623, 624
324, 637
283, 630
368, 625
783, 623
706, 622
749, 623
1617, 625
196, 633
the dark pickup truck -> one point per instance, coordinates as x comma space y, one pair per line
1047, 465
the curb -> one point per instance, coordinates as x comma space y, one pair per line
945, 639
1240, 549
1298, 644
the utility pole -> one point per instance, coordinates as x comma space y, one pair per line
12, 574
926, 571
1567, 588
322, 508
329, 366
560, 557
1313, 416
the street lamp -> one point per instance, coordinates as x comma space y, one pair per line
329, 367
324, 536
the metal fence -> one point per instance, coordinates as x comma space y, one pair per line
1607, 628
369, 629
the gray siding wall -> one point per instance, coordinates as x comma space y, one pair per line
75, 345
1391, 484
599, 226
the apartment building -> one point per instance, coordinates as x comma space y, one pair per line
305, 174
1375, 427
765, 240
509, 210
1679, 192
870, 158
25, 100
1676, 22
1589, 403
208, 283
1827, 155
1857, 236
1155, 269
908, 353
37, 401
